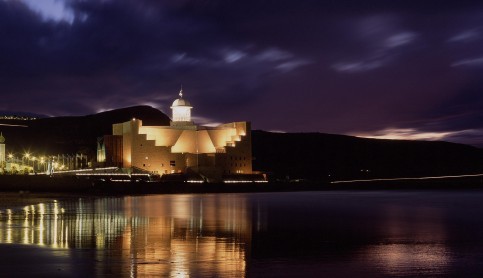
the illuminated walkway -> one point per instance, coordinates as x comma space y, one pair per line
403, 179
13, 125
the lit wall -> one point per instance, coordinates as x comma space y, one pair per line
172, 149
190, 140
181, 113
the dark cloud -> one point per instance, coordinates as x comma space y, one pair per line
354, 67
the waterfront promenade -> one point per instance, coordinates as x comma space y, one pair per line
25, 184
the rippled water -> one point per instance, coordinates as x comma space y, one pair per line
305, 234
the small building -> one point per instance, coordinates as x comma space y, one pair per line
11, 166
182, 147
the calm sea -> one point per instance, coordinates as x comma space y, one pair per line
304, 234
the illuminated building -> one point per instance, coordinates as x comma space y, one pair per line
11, 165
181, 147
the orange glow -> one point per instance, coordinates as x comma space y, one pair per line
178, 229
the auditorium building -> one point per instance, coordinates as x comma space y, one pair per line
212, 153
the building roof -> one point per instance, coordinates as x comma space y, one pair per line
181, 101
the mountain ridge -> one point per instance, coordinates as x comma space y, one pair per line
324, 156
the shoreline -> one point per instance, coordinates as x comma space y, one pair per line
71, 184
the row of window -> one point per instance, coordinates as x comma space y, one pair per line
237, 171
236, 164
172, 163
238, 158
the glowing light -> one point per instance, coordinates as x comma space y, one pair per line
9, 226
391, 258
244, 181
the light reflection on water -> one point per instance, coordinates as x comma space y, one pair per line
175, 235
262, 235
413, 243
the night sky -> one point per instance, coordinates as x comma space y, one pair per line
382, 68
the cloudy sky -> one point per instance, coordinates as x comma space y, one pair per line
381, 68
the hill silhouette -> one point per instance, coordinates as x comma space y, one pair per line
312, 156
74, 133
318, 156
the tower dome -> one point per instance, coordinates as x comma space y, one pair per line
181, 109
2, 139
181, 101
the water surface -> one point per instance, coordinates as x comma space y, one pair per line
376, 233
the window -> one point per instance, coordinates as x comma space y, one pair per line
172, 163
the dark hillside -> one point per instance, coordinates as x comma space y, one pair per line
73, 134
316, 156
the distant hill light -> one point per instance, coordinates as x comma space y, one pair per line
15, 117
14, 125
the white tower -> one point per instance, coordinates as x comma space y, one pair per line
2, 150
181, 110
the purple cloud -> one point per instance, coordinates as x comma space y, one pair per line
340, 67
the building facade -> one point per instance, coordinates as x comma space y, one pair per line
183, 147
